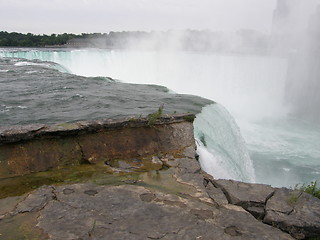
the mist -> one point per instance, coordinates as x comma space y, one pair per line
289, 80
296, 36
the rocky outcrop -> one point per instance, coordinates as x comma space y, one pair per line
34, 148
292, 211
295, 212
175, 205
161, 191
85, 211
252, 197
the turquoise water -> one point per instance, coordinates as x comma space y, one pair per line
284, 152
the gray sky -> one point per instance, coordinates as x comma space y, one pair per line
58, 16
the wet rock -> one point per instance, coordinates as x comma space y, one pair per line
91, 192
147, 197
68, 191
124, 165
294, 212
38, 155
7, 205
156, 162
34, 148
232, 231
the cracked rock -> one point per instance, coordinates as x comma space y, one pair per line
294, 212
216, 194
135, 212
251, 197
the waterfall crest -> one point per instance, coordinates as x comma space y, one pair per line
221, 148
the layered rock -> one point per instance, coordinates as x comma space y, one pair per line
33, 148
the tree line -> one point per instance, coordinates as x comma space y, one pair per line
15, 39
243, 41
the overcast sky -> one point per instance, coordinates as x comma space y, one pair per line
77, 16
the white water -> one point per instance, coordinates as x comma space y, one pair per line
221, 148
251, 87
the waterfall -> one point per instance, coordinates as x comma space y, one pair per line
216, 77
252, 88
221, 148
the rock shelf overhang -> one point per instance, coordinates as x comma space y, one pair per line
39, 147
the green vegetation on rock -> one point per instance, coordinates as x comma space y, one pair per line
311, 189
153, 117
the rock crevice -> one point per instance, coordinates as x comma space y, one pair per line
291, 211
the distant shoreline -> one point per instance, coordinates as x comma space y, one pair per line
242, 42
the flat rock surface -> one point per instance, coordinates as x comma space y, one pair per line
88, 211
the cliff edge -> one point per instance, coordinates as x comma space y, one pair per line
145, 182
